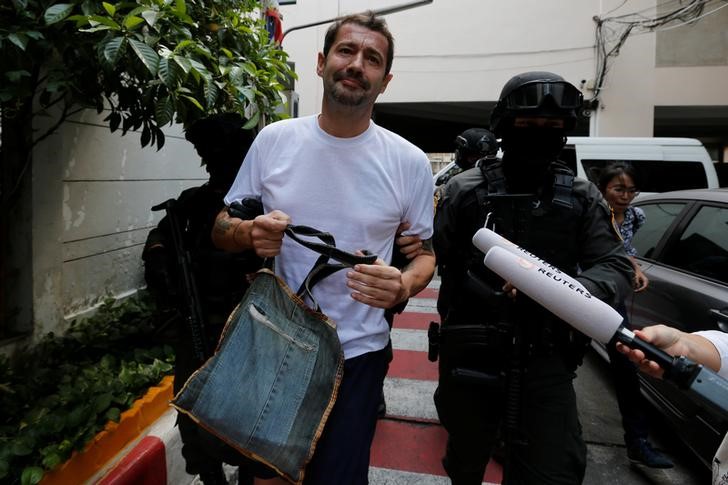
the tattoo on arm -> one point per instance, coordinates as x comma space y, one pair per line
222, 226
427, 246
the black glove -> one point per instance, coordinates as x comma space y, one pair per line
247, 209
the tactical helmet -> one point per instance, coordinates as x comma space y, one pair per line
536, 94
220, 139
474, 144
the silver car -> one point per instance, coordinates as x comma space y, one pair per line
683, 250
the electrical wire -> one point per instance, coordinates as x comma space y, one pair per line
612, 32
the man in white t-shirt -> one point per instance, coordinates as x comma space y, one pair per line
341, 173
708, 347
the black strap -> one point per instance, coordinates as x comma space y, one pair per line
328, 250
563, 185
493, 173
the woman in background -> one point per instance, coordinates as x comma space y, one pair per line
618, 185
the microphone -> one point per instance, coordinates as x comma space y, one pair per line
566, 298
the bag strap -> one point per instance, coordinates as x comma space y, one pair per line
328, 250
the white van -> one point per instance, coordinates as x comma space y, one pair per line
661, 164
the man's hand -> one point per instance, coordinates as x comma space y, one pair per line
409, 246
266, 233
377, 285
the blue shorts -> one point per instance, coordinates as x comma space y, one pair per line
342, 453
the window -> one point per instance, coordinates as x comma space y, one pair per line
656, 175
703, 246
658, 218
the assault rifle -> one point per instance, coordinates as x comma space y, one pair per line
191, 310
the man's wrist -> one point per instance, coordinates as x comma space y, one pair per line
237, 242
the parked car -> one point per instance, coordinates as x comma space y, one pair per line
683, 250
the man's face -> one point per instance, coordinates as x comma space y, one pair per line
353, 71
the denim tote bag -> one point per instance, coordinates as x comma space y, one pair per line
272, 382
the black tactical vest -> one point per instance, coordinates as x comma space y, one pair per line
547, 224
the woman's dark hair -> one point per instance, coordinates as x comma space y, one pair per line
615, 169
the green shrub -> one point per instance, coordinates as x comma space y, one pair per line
58, 394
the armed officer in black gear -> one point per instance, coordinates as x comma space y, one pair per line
506, 364
221, 142
474, 144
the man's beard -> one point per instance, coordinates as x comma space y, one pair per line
345, 96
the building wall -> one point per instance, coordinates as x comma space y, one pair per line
92, 194
465, 50
92, 190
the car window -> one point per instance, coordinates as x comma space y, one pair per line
703, 246
656, 175
658, 218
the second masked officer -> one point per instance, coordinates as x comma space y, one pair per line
506, 364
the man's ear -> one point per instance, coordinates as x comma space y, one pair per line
387, 78
320, 63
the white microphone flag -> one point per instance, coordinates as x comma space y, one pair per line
554, 290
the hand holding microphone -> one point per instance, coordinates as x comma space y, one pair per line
566, 298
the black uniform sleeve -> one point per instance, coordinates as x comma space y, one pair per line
606, 270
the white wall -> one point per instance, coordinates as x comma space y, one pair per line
465, 50
92, 193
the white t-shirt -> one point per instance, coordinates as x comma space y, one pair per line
358, 189
720, 341
720, 461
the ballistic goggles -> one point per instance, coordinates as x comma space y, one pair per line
533, 94
482, 146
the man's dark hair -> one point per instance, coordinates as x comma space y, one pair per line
368, 20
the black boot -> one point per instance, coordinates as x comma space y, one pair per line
213, 476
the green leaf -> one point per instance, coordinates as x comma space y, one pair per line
147, 55
169, 72
132, 21
94, 20
253, 121
14, 76
102, 402
113, 414
34, 34
146, 135
151, 16
56, 13
248, 93
160, 138
19, 39
194, 102
114, 49
181, 7
52, 460
211, 93
22, 446
31, 475
164, 111
110, 9
4, 468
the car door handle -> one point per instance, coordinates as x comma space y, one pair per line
721, 317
